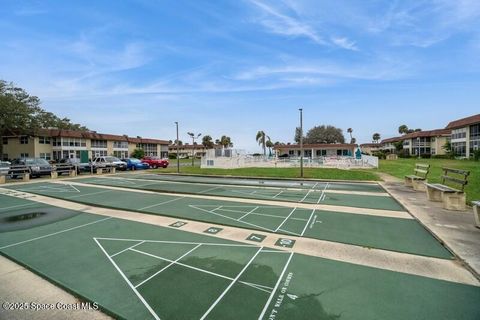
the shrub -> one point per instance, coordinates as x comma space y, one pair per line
476, 155
172, 156
138, 153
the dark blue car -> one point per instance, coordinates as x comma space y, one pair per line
135, 164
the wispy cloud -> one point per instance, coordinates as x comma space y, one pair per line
284, 24
344, 43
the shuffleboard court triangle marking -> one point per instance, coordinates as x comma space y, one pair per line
59, 188
137, 242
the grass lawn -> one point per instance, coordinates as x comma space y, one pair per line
401, 167
329, 174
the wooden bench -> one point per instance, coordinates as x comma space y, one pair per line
418, 179
476, 212
452, 198
17, 171
62, 168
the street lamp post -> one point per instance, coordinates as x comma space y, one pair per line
418, 145
191, 134
178, 154
301, 142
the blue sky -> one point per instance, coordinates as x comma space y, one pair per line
236, 67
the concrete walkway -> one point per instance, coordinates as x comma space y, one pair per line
456, 229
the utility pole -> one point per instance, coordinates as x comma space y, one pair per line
191, 134
178, 154
301, 142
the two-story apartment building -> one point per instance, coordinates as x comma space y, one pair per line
54, 144
187, 150
465, 136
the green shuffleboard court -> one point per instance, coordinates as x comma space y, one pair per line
315, 195
139, 271
388, 233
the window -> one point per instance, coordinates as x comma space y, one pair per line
45, 156
5, 140
120, 154
475, 132
120, 144
23, 155
5, 157
291, 152
459, 148
99, 144
150, 149
24, 140
44, 140
459, 133
321, 153
100, 153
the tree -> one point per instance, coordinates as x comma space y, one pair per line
207, 142
352, 139
21, 114
376, 137
298, 135
398, 146
217, 141
180, 142
269, 144
324, 134
226, 142
138, 153
403, 129
262, 138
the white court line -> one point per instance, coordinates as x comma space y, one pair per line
181, 242
167, 266
286, 218
72, 186
19, 205
253, 285
89, 194
246, 214
291, 232
315, 185
275, 288
323, 193
120, 252
231, 284
306, 195
211, 189
227, 217
128, 282
308, 221
159, 204
277, 194
55, 233
218, 208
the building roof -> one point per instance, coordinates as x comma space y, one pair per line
316, 145
390, 140
464, 122
96, 136
190, 146
430, 133
371, 145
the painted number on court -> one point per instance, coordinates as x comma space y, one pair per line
178, 224
256, 237
213, 230
284, 242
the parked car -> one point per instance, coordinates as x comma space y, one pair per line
135, 164
80, 166
109, 161
37, 166
4, 167
156, 162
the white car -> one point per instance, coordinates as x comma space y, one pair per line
4, 167
109, 161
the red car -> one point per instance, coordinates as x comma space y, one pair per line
155, 162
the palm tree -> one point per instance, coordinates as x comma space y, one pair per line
403, 129
269, 144
226, 142
262, 140
207, 142
376, 137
